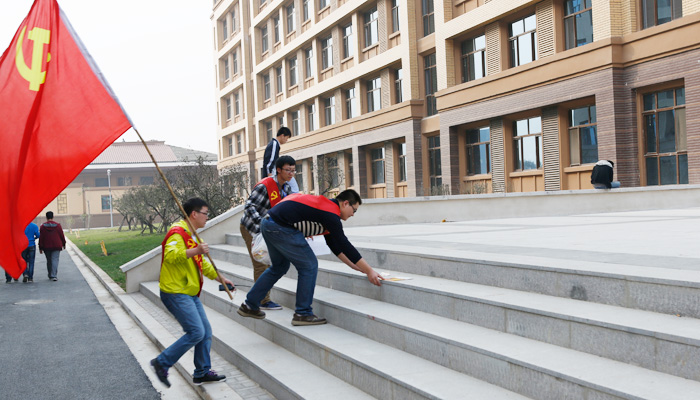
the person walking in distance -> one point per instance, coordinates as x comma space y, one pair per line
51, 242
265, 195
272, 151
32, 233
182, 272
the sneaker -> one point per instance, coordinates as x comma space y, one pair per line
8, 281
30, 280
54, 279
270, 305
211, 376
299, 320
25, 279
246, 311
161, 372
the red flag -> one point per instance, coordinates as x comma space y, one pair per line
57, 114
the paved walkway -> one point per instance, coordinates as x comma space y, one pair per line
57, 342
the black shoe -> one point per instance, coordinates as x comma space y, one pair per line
8, 281
25, 279
299, 320
211, 376
246, 311
161, 372
30, 280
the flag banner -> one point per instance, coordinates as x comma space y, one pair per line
57, 114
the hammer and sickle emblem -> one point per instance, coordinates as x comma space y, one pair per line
274, 195
34, 75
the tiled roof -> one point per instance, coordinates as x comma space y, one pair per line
135, 152
184, 154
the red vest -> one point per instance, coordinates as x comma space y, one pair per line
190, 244
273, 192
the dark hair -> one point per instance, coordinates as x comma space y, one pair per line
350, 195
284, 160
611, 163
284, 131
49, 215
194, 204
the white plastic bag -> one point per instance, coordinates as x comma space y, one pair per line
259, 249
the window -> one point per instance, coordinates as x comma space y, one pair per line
266, 86
228, 108
428, 17
101, 182
276, 22
394, 16
322, 4
583, 136
309, 58
398, 80
227, 71
268, 130
327, 52
478, 151
146, 180
665, 138
299, 175
350, 174
311, 111
224, 28
348, 49
657, 12
278, 76
237, 103
233, 20
578, 23
124, 181
305, 9
377, 156
430, 84
350, 103
473, 58
329, 110
434, 162
332, 171
523, 41
403, 171
374, 94
527, 144
230, 146
295, 123
371, 27
263, 35
292, 71
239, 143
235, 63
105, 202
291, 23
281, 121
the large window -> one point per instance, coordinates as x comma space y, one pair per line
657, 12
583, 135
329, 110
233, 21
295, 123
398, 84
224, 28
478, 151
291, 20
403, 171
228, 109
377, 156
292, 71
268, 130
434, 162
311, 112
523, 41
394, 16
266, 86
235, 62
348, 48
327, 52
237, 103
430, 84
350, 104
305, 9
263, 37
278, 78
227, 70
665, 139
428, 17
230, 146
276, 22
309, 59
374, 94
105, 202
527, 144
578, 23
371, 27
101, 182
474, 58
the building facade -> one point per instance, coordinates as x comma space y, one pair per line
400, 98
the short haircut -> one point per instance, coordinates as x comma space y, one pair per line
350, 195
611, 163
194, 204
284, 131
49, 215
284, 160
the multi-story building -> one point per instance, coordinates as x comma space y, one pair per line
411, 97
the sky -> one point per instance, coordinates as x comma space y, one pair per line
157, 55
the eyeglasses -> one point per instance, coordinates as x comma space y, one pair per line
354, 210
289, 170
205, 213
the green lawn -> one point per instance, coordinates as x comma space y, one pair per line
122, 247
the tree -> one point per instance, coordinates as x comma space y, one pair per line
328, 174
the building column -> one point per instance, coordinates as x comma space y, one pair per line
550, 146
498, 161
389, 178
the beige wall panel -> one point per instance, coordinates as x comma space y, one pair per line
545, 28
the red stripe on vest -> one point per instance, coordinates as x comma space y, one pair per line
273, 192
190, 244
318, 202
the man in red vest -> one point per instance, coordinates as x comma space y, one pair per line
264, 196
284, 228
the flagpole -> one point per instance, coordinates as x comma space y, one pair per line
182, 210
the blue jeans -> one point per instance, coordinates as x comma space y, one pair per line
28, 255
188, 311
52, 262
286, 245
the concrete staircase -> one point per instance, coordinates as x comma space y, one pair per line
466, 325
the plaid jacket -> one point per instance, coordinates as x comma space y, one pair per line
257, 205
